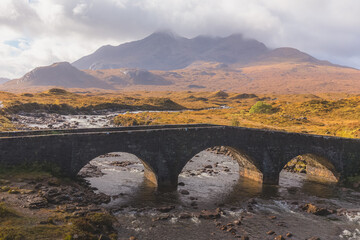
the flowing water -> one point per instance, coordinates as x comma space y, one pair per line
27, 121
260, 208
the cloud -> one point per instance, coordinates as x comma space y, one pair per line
40, 32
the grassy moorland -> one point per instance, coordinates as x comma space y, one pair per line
62, 101
327, 114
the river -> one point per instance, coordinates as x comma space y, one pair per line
260, 209
102, 118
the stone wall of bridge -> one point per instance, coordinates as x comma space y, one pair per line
165, 150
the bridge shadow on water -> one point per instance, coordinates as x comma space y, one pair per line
208, 180
311, 175
123, 178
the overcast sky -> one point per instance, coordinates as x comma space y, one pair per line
39, 32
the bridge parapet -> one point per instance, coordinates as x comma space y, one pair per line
95, 130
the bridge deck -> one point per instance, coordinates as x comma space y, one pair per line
99, 130
33, 133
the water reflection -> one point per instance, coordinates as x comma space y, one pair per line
209, 187
243, 190
319, 189
296, 183
145, 195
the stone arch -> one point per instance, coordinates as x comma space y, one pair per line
317, 166
149, 172
248, 167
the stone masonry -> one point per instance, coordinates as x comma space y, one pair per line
164, 150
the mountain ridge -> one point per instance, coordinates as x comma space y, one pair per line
164, 51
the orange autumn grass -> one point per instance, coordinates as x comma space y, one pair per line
339, 117
336, 114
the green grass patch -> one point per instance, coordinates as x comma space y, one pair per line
31, 232
6, 212
89, 227
92, 226
261, 107
31, 171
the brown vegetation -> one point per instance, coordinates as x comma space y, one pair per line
323, 114
328, 114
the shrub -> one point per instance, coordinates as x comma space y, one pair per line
235, 122
58, 91
27, 95
261, 107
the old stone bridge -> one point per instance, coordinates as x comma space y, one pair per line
165, 150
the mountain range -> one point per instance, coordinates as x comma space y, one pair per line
166, 61
168, 51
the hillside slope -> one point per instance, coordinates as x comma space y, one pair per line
270, 77
58, 74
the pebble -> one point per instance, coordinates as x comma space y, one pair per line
208, 214
185, 215
184, 192
279, 237
165, 209
237, 222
